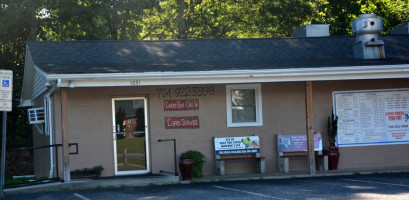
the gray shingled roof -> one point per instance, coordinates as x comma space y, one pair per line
207, 55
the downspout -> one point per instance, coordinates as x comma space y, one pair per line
47, 101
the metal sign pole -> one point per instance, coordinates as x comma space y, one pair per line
3, 151
6, 97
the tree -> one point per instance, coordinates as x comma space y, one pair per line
14, 31
392, 12
59, 20
340, 13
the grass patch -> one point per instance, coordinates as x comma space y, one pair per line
132, 145
23, 181
132, 161
12, 181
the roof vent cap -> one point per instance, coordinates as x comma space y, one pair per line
367, 44
367, 27
312, 30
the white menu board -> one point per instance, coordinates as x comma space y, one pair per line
375, 117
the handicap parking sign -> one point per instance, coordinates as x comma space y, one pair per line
5, 83
6, 89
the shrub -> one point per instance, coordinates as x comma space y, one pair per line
199, 160
86, 172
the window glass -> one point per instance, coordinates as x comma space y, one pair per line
244, 105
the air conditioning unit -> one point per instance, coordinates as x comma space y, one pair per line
36, 115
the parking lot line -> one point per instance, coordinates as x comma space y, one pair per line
81, 197
243, 191
393, 184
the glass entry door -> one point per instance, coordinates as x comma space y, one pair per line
130, 133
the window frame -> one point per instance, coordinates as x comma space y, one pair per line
258, 101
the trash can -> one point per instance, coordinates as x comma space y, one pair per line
186, 168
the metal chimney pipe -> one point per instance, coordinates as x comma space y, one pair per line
367, 44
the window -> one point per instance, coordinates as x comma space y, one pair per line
36, 117
244, 105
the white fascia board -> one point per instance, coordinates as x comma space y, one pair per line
231, 76
25, 103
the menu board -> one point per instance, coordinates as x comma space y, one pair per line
375, 117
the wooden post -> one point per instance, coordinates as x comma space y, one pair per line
65, 140
310, 133
125, 157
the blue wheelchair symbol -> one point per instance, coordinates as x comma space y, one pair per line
5, 83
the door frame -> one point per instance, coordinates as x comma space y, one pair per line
147, 152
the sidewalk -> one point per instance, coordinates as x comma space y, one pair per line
159, 179
91, 183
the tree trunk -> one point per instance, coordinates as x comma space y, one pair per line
114, 26
33, 21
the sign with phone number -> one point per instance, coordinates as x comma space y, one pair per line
372, 117
185, 92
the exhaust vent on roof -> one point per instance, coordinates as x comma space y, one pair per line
401, 29
367, 44
312, 30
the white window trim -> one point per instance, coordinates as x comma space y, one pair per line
259, 114
48, 114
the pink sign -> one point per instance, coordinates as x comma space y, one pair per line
181, 122
174, 105
294, 143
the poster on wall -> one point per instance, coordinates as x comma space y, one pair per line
294, 143
237, 145
372, 117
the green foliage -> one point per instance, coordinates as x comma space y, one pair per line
332, 130
58, 20
98, 169
199, 160
15, 181
340, 13
393, 12
132, 145
281, 17
95, 171
14, 32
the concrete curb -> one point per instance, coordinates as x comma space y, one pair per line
80, 184
301, 174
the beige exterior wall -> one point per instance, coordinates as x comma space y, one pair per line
90, 125
365, 156
41, 156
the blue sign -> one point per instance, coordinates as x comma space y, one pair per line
5, 83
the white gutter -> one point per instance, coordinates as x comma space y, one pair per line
231, 76
48, 102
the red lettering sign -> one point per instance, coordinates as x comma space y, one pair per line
399, 113
395, 116
181, 122
175, 105
399, 136
392, 118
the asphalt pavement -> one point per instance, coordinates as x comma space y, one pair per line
371, 186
